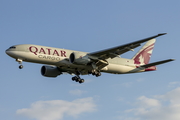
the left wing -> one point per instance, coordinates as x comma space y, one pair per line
115, 51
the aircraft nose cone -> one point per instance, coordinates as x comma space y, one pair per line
7, 52
11, 51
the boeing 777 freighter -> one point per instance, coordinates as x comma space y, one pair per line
58, 61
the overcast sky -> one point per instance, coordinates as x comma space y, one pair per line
90, 26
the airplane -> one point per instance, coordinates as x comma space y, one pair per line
58, 61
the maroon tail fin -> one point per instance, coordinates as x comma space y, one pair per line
144, 54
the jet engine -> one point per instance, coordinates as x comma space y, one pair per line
50, 71
79, 58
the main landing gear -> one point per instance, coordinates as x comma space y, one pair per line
78, 79
96, 73
20, 62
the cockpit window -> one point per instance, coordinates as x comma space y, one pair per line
13, 47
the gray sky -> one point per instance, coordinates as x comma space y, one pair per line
89, 26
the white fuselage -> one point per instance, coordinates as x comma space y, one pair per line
60, 58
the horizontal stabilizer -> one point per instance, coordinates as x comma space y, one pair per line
156, 63
149, 67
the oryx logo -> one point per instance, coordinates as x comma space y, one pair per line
144, 56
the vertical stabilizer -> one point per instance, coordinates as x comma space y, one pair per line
144, 54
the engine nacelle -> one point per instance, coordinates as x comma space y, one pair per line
79, 58
50, 71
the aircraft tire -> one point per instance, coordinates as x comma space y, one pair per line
81, 81
77, 80
21, 66
73, 78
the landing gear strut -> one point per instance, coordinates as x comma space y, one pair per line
20, 62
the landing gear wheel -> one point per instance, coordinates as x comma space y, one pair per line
81, 81
21, 66
93, 72
74, 78
98, 74
78, 79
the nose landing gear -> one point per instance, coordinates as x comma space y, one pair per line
20, 62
